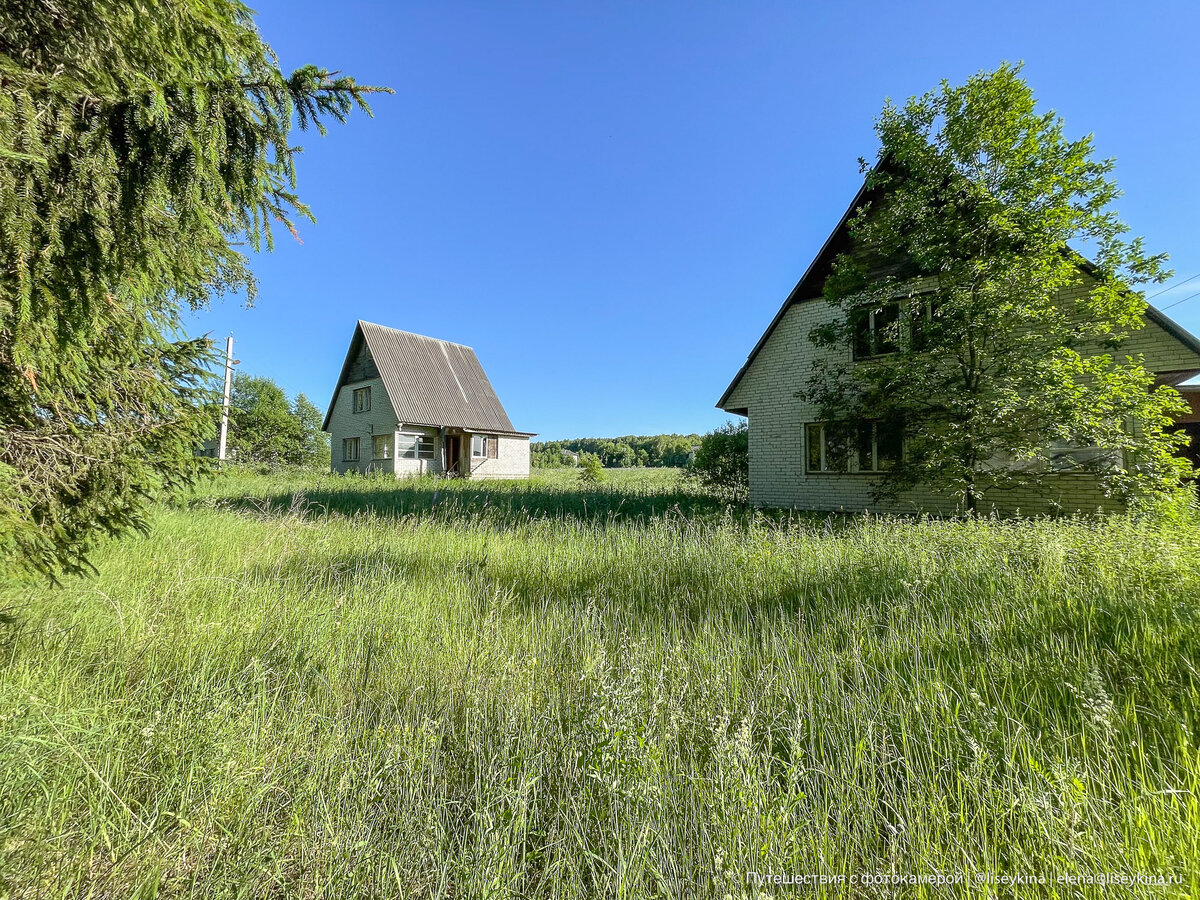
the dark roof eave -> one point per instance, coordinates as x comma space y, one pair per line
1155, 315
810, 275
470, 429
358, 335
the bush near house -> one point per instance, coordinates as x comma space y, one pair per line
722, 461
352, 687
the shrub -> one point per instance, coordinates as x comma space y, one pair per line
590, 469
722, 462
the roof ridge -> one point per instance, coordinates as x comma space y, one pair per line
424, 337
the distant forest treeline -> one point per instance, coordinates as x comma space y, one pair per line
620, 452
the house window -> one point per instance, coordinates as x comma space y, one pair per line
479, 445
826, 450
1065, 457
414, 446
876, 330
362, 399
381, 446
350, 449
877, 447
923, 319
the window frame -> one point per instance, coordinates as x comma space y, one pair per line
350, 444
362, 399
871, 334
483, 454
1082, 455
388, 446
423, 446
824, 466
852, 452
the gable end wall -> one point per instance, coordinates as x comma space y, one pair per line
776, 434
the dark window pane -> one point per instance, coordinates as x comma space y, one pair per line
924, 321
860, 322
836, 450
919, 326
866, 461
890, 441
813, 433
885, 330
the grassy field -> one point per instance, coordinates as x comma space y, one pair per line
348, 688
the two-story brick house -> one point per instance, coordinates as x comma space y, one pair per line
411, 405
787, 465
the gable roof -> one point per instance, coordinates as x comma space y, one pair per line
812, 283
428, 381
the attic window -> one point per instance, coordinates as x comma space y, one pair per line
876, 330
362, 399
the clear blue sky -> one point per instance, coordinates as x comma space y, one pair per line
609, 201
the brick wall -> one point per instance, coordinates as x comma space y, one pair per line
344, 422
777, 471
405, 467
512, 459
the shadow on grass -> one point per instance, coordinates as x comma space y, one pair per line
502, 505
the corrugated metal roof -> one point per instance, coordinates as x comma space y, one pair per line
429, 381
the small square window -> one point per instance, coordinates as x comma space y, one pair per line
350, 449
362, 399
382, 446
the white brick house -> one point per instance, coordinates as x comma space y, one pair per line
782, 426
412, 405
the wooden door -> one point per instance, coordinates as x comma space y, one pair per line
453, 447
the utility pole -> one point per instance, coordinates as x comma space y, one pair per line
225, 401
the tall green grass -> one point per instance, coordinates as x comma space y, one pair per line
524, 690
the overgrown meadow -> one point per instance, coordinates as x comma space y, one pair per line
316, 687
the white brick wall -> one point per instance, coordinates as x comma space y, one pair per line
512, 459
407, 467
777, 471
344, 422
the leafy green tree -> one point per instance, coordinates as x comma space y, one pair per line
657, 450
722, 461
138, 148
261, 425
591, 470
314, 443
985, 346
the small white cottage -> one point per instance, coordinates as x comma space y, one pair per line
409, 404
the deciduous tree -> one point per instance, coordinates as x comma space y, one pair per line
968, 326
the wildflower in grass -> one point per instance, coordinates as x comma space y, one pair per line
1094, 700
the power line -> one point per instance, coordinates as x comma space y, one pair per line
1172, 287
1177, 302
